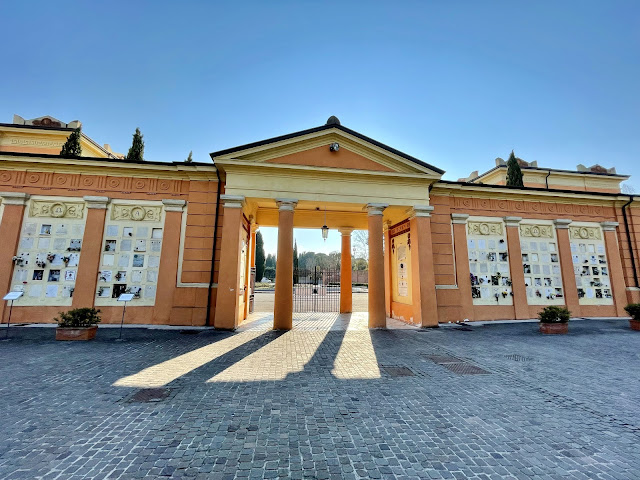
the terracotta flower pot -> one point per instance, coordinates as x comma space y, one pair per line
81, 333
634, 324
554, 328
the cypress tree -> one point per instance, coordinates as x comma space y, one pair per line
295, 262
190, 157
514, 173
71, 147
260, 258
136, 152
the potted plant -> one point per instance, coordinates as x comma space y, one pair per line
78, 324
554, 320
633, 309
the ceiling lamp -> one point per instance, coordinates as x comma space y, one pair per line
325, 229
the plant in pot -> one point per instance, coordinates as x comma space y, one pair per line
633, 309
77, 324
554, 320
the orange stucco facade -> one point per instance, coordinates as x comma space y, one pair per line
78, 231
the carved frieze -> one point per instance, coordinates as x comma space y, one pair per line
585, 233
137, 213
55, 209
519, 207
537, 231
485, 228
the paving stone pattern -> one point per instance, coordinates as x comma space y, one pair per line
321, 404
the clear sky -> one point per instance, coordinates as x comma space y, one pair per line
454, 83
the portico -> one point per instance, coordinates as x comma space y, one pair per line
334, 176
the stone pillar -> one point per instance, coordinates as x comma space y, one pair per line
520, 303
346, 296
571, 300
84, 293
616, 273
387, 268
168, 269
13, 204
425, 304
463, 274
377, 314
229, 289
283, 306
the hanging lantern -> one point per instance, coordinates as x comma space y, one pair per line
325, 229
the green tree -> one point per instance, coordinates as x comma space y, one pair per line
136, 152
260, 259
295, 262
514, 174
71, 147
190, 157
270, 261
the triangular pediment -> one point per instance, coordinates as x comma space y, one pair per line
312, 148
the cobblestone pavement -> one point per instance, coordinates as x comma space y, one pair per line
323, 403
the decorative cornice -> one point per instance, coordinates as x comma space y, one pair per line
459, 218
420, 211
56, 209
512, 221
14, 198
173, 205
585, 233
96, 202
375, 208
562, 223
536, 231
232, 201
485, 228
286, 204
609, 226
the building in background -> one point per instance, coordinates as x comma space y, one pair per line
78, 232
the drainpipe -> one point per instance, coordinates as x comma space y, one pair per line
546, 179
626, 226
213, 252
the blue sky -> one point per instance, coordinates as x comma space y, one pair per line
454, 83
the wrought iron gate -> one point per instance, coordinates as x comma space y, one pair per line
316, 290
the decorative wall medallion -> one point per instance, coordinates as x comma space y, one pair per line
5, 177
114, 182
87, 181
33, 178
164, 185
485, 228
585, 233
136, 213
544, 231
40, 208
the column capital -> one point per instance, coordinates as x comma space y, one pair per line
375, 208
14, 198
386, 225
562, 223
346, 231
232, 201
173, 205
286, 204
512, 221
254, 227
96, 202
459, 218
609, 226
420, 211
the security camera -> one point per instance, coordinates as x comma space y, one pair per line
334, 147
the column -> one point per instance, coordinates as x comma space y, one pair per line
616, 273
84, 293
387, 268
13, 204
463, 278
228, 291
520, 303
425, 303
251, 267
377, 315
571, 300
168, 269
346, 297
283, 306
